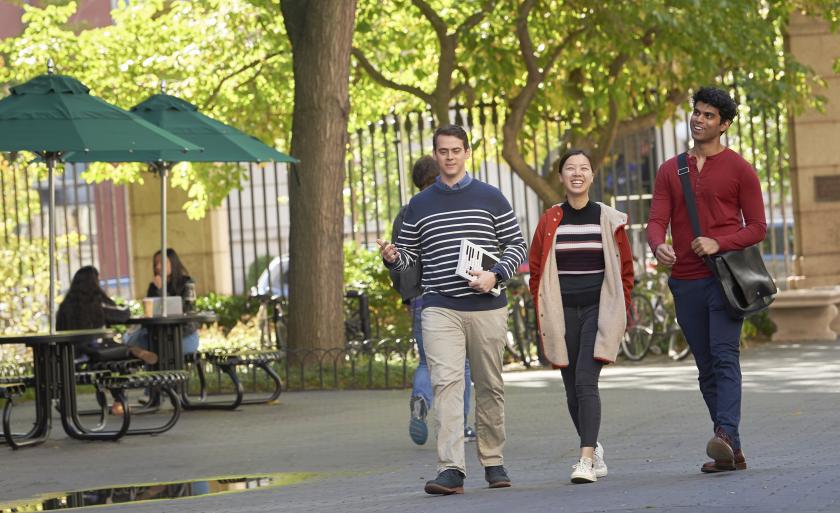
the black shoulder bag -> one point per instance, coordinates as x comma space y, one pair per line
746, 285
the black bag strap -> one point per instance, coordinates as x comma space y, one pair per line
690, 202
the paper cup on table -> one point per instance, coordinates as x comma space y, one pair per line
148, 307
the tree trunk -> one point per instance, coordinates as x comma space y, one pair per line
321, 34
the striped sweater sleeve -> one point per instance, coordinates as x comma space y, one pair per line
407, 243
511, 242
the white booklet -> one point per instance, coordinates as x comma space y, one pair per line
475, 258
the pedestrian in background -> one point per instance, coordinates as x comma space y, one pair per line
407, 283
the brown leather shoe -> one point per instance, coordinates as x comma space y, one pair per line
710, 467
719, 448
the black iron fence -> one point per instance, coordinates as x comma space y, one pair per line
91, 221
372, 363
258, 228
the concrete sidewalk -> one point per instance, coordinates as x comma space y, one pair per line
654, 429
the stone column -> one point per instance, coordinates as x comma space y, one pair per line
815, 162
202, 245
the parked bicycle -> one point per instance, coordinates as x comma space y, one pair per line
522, 337
652, 325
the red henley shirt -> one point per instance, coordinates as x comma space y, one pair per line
727, 188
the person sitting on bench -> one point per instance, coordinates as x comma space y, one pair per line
87, 306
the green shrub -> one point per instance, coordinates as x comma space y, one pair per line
758, 326
364, 271
229, 309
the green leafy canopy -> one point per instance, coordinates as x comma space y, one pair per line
231, 59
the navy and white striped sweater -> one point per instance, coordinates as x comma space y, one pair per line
435, 222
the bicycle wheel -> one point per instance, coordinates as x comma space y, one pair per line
520, 332
677, 345
641, 312
511, 351
636, 342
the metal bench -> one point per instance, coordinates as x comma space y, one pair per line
28, 381
169, 382
9, 391
88, 373
119, 366
227, 362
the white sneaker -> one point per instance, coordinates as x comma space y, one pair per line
583, 471
599, 464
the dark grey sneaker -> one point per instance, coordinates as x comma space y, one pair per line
417, 428
496, 476
446, 483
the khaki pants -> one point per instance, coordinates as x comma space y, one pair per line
449, 336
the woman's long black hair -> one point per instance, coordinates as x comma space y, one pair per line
82, 305
180, 275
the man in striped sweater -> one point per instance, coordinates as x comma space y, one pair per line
461, 319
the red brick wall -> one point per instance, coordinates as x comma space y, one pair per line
90, 13
93, 13
10, 24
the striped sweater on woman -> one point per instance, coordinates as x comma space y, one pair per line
435, 222
579, 250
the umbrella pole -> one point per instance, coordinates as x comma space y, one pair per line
51, 237
163, 257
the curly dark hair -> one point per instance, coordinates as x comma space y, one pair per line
424, 172
82, 305
719, 99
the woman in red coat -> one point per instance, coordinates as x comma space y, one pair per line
581, 276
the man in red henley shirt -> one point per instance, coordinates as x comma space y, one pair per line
731, 212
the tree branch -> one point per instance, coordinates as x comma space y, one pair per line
607, 135
526, 46
674, 98
518, 106
250, 79
610, 130
476, 18
378, 77
209, 101
430, 14
465, 89
558, 50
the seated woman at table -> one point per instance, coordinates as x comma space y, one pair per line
178, 283
87, 306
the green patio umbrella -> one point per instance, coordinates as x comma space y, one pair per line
52, 115
221, 143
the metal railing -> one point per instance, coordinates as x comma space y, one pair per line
93, 216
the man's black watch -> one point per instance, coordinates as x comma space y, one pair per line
499, 277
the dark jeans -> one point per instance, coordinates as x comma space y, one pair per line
581, 376
714, 338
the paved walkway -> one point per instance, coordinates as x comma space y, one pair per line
654, 430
